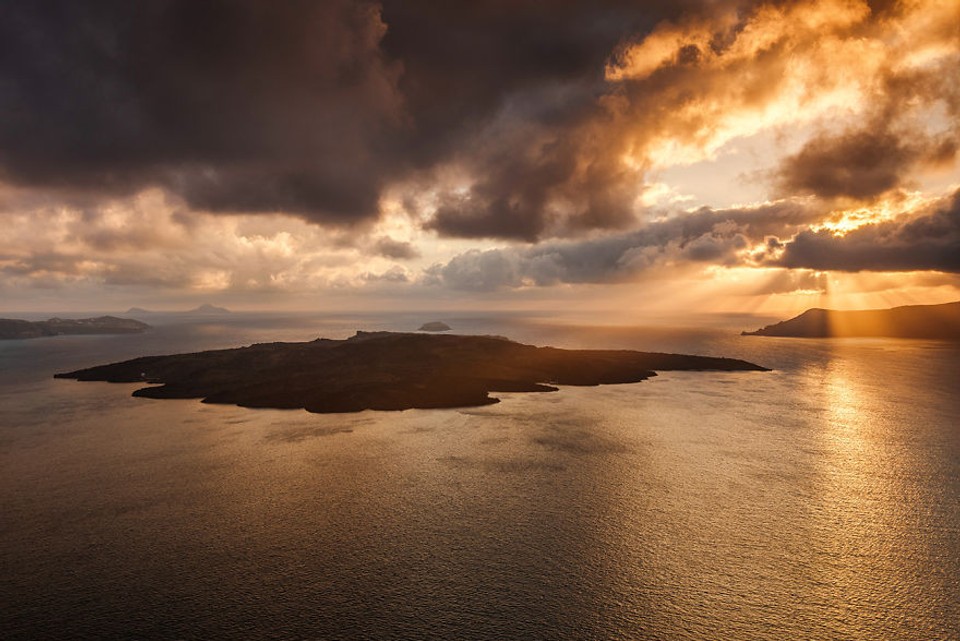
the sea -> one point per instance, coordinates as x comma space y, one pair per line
816, 501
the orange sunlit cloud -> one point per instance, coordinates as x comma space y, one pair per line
827, 129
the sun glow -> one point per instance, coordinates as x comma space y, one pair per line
784, 293
844, 221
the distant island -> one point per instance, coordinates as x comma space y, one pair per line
386, 371
206, 308
12, 328
434, 326
911, 321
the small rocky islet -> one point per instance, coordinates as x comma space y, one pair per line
435, 326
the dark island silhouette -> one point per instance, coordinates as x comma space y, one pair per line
911, 321
386, 371
207, 308
12, 328
434, 326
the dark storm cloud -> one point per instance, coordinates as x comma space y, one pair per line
925, 242
509, 91
544, 170
299, 106
318, 108
860, 164
233, 105
464, 61
523, 195
703, 236
550, 160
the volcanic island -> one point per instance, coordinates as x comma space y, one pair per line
387, 371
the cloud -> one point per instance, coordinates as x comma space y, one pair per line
877, 83
237, 106
522, 121
913, 242
316, 109
701, 237
785, 281
395, 274
567, 157
395, 249
301, 107
553, 116
911, 115
147, 242
859, 164
405, 127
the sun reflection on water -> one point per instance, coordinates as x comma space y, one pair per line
864, 527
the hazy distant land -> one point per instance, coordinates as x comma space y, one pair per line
386, 371
206, 309
911, 321
11, 328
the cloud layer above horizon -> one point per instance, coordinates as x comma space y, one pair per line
247, 146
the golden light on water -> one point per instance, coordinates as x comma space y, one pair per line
852, 485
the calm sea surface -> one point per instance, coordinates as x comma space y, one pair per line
817, 501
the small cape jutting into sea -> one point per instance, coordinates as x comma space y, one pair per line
386, 371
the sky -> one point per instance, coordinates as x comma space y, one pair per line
614, 156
